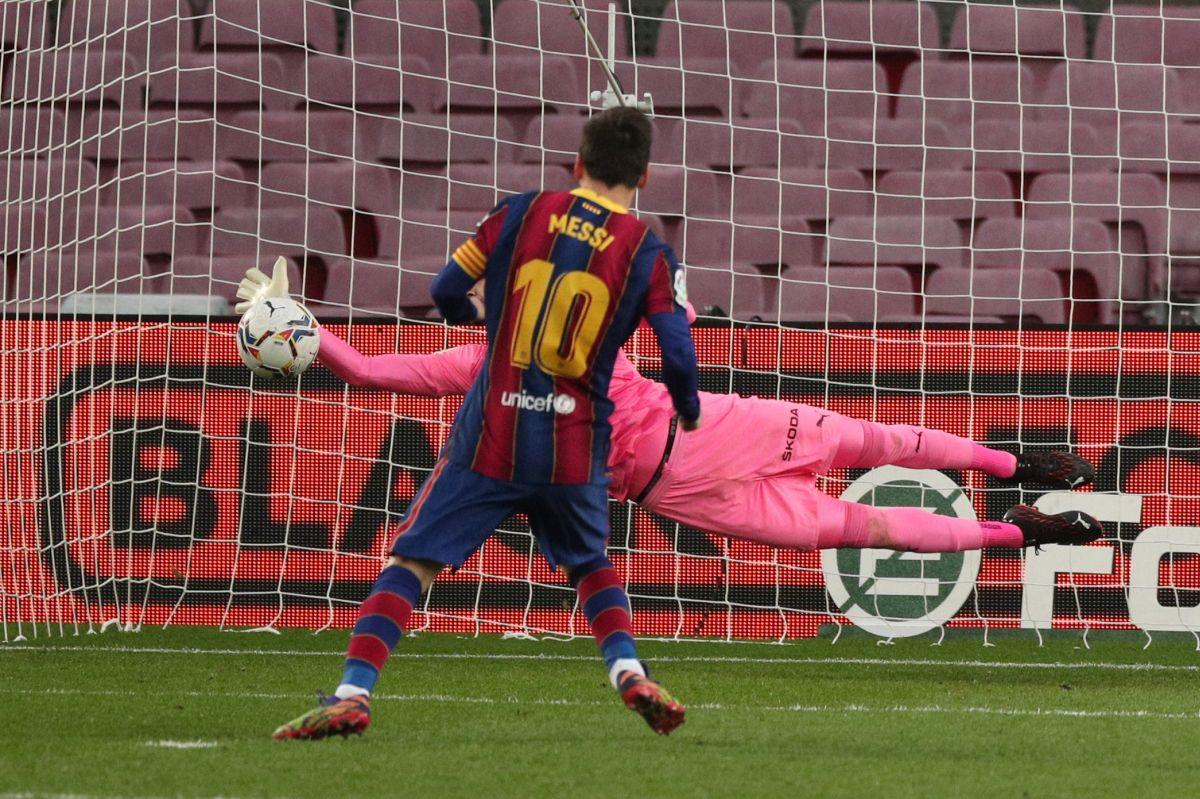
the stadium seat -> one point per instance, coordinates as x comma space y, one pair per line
754, 245
478, 187
220, 275
912, 241
1034, 146
438, 139
812, 93
1040, 37
431, 234
704, 142
341, 185
23, 24
30, 132
813, 194
554, 139
1078, 250
55, 273
155, 135
140, 28
738, 293
1132, 206
195, 185
74, 76
513, 88
223, 81
248, 231
882, 145
23, 227
382, 287
869, 30
278, 136
958, 93
962, 195
38, 180
131, 231
862, 295
677, 191
1154, 35
289, 27
709, 50
973, 293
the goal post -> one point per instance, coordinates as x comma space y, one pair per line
970, 217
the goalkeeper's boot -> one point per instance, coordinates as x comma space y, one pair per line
651, 701
1072, 527
332, 716
1054, 468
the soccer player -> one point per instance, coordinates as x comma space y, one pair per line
751, 471
568, 277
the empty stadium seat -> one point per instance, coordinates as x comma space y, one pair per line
131, 231
881, 145
223, 80
74, 75
141, 28
919, 242
23, 24
1040, 37
1034, 146
677, 191
129, 135
958, 93
862, 295
290, 27
429, 234
524, 30
809, 193
317, 231
438, 139
746, 144
341, 185
766, 244
194, 185
54, 274
478, 187
278, 136
962, 195
1078, 250
29, 132
220, 275
868, 30
382, 287
971, 293
741, 293
812, 93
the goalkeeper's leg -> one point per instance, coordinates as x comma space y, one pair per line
860, 443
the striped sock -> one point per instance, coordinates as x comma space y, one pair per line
602, 596
382, 618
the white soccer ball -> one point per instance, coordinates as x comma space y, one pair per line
278, 337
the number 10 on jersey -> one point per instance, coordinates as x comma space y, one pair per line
575, 304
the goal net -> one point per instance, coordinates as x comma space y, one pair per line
978, 218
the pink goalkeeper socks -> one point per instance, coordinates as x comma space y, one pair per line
867, 444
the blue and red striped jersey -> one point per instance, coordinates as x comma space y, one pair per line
569, 275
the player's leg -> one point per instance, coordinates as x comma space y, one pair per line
571, 525
451, 516
861, 443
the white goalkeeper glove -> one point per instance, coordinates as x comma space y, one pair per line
256, 286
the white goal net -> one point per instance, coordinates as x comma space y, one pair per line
979, 218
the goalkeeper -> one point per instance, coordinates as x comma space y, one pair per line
750, 472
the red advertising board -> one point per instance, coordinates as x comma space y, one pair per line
147, 480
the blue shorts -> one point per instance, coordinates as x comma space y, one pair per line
457, 509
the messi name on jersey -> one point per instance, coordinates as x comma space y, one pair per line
588, 232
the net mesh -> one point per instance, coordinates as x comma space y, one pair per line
972, 217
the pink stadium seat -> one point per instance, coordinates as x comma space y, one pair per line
478, 187
383, 88
22, 24
437, 139
74, 75
1040, 37
748, 245
340, 185
862, 295
382, 287
749, 143
288, 26
554, 138
30, 131
248, 231
962, 195
1155, 35
129, 135
1107, 96
1079, 251
814, 92
525, 30
894, 241
23, 227
960, 92
1034, 146
193, 185
881, 145
741, 294
515, 88
869, 29
676, 191
54, 274
423, 233
220, 275
133, 231
140, 28
812, 194
38, 180
227, 80
279, 136
1029, 293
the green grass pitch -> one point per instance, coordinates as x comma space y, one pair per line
457, 716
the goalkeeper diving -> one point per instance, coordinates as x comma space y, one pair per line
750, 471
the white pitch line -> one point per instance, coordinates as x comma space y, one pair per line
167, 744
804, 661
1118, 713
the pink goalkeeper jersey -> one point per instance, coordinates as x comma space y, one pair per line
640, 418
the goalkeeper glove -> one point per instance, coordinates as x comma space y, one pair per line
256, 286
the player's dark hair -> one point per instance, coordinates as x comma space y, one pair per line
615, 149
